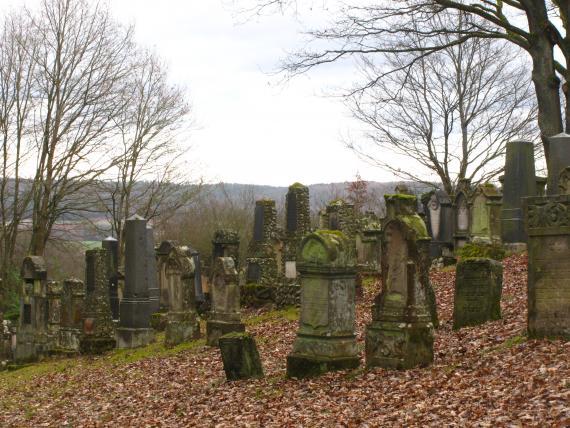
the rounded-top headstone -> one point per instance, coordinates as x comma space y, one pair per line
327, 248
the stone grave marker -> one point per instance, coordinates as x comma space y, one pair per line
439, 221
478, 286
71, 326
462, 215
225, 294
401, 333
486, 214
559, 159
98, 327
153, 288
226, 244
326, 339
112, 246
240, 356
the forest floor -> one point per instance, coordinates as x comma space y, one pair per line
489, 375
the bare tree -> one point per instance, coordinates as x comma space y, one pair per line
80, 70
16, 105
450, 113
150, 179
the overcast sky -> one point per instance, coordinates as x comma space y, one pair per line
248, 126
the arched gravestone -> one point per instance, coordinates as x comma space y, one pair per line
461, 213
401, 333
439, 222
486, 214
325, 340
182, 324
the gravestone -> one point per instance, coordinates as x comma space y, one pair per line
548, 267
298, 224
462, 215
478, 286
564, 182
31, 339
226, 244
53, 302
225, 294
369, 245
401, 333
240, 356
339, 215
98, 327
325, 340
182, 324
196, 258
486, 214
439, 221
519, 181
134, 324
112, 246
558, 159
153, 288
71, 326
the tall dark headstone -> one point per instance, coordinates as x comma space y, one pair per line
519, 181
153, 289
98, 327
558, 159
439, 221
134, 324
297, 225
112, 246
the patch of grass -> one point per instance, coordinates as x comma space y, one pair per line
21, 376
511, 342
290, 313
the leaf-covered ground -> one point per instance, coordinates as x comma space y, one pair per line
485, 376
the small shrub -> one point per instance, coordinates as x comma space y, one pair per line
491, 251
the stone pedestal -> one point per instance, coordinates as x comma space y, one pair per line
98, 327
548, 262
135, 310
401, 333
519, 181
325, 340
240, 357
478, 286
225, 313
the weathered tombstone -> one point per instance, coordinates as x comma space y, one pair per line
226, 244
240, 356
198, 290
225, 313
71, 326
339, 215
486, 214
98, 327
112, 246
439, 221
264, 255
53, 302
462, 215
31, 339
134, 324
558, 159
298, 224
519, 181
548, 260
182, 324
162, 252
369, 245
153, 289
564, 182
325, 340
401, 333
478, 286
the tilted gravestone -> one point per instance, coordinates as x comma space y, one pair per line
325, 340
401, 333
240, 356
548, 267
486, 214
71, 327
31, 339
439, 221
182, 324
134, 324
112, 246
98, 327
225, 313
519, 181
478, 286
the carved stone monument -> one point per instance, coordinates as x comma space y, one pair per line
134, 324
486, 204
226, 244
439, 221
71, 326
298, 224
462, 216
548, 267
519, 181
225, 313
325, 340
98, 327
339, 215
240, 357
478, 286
401, 333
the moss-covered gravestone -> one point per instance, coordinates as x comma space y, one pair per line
478, 286
486, 204
98, 327
225, 313
325, 340
548, 267
240, 357
401, 333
